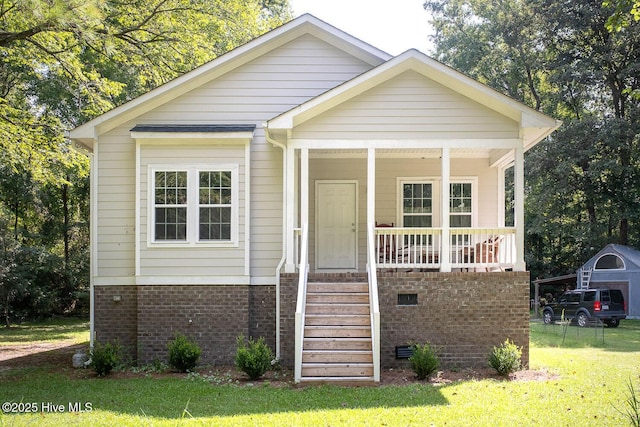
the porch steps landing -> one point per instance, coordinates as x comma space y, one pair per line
337, 339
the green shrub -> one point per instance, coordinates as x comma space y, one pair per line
253, 357
506, 358
424, 360
104, 357
183, 353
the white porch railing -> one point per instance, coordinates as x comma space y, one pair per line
300, 303
470, 248
373, 300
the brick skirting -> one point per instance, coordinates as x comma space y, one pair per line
463, 314
144, 319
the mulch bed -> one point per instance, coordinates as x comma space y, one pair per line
58, 357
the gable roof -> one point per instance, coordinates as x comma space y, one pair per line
305, 24
631, 256
535, 125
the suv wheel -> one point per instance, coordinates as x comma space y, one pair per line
582, 319
613, 323
547, 318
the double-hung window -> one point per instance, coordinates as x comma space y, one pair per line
460, 204
194, 205
214, 205
417, 210
417, 204
170, 205
461, 210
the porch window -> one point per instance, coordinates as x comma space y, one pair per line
195, 205
460, 205
417, 204
460, 210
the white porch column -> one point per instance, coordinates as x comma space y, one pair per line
304, 186
371, 186
445, 253
518, 172
290, 198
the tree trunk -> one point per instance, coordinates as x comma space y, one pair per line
65, 232
624, 231
6, 314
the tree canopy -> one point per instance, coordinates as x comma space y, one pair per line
578, 61
63, 62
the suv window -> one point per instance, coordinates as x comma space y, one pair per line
589, 296
616, 296
574, 297
604, 296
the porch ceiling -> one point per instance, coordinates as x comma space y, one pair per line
412, 153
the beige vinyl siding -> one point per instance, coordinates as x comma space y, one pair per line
197, 259
115, 243
252, 94
264, 87
408, 106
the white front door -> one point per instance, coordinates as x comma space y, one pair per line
336, 225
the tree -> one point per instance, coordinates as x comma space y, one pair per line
63, 62
560, 58
624, 12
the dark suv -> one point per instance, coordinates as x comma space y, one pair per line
583, 305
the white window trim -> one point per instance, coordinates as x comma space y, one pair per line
595, 264
436, 206
193, 206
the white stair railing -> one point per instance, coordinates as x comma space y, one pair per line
374, 306
303, 272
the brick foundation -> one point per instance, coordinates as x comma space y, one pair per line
146, 318
116, 318
463, 314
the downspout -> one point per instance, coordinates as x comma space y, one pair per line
284, 232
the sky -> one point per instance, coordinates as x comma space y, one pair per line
391, 25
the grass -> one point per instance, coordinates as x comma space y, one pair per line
73, 330
590, 389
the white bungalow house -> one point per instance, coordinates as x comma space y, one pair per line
312, 189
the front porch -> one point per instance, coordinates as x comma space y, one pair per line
431, 209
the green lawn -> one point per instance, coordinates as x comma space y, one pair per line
70, 330
589, 389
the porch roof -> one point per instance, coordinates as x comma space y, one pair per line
534, 125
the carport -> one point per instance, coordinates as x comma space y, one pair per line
559, 284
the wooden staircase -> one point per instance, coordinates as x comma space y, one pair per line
337, 334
